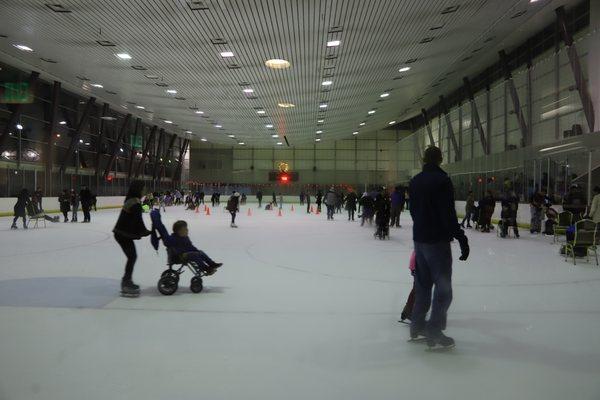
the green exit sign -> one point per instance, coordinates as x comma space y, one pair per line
136, 141
15, 93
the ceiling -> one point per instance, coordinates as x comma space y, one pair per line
180, 42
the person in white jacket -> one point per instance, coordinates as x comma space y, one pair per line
595, 207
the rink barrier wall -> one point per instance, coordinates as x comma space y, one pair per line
523, 213
51, 205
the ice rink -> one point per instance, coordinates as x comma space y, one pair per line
303, 308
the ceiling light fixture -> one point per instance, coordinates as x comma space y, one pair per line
318, 132
269, 126
279, 143
188, 132
275, 135
123, 56
333, 43
371, 112
248, 90
241, 143
226, 54
218, 126
404, 69
231, 136
168, 122
355, 133
22, 47
391, 122
171, 91
326, 83
320, 121
323, 105
384, 95
277, 63
203, 140
362, 124
199, 112
286, 105
317, 139
97, 85
62, 123
140, 107
19, 127
261, 112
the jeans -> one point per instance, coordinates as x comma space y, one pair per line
434, 268
232, 216
351, 214
395, 219
86, 213
536, 219
330, 211
129, 249
75, 208
199, 257
468, 217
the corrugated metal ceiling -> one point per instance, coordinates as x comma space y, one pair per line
181, 45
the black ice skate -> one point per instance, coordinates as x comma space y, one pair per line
417, 336
440, 342
129, 289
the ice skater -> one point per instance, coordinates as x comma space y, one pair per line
130, 226
435, 226
20, 209
330, 202
259, 197
85, 196
351, 204
64, 200
74, 205
233, 206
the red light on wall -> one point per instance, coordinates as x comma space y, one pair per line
109, 178
284, 178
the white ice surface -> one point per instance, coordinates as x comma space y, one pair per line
302, 309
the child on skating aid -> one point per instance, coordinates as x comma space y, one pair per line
407, 311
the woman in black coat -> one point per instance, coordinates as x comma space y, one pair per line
130, 226
20, 208
65, 204
85, 196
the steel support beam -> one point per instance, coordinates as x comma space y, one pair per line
426, 118
117, 144
16, 113
138, 124
515, 99
166, 154
158, 154
457, 150
177, 171
586, 101
77, 133
105, 110
56, 89
146, 150
476, 121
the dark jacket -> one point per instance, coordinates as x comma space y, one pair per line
432, 206
351, 201
85, 196
65, 202
510, 205
130, 224
233, 204
21, 204
397, 199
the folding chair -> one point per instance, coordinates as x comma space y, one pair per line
585, 236
564, 220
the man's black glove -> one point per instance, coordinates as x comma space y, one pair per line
464, 247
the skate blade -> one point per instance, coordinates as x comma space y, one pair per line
417, 340
440, 349
123, 294
404, 322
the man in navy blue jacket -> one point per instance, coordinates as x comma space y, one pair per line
435, 226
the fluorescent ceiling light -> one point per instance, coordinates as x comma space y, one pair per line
168, 122
275, 135
355, 133
277, 63
22, 47
559, 146
190, 132
19, 126
279, 143
404, 69
333, 43
97, 85
171, 91
371, 112
231, 136
80, 140
58, 135
248, 90
323, 105
203, 140
362, 124
62, 123
286, 105
87, 143
140, 107
121, 149
391, 122
317, 139
320, 121
261, 112
326, 83
218, 126
123, 56
199, 112
226, 54
319, 132
241, 143
269, 126
384, 95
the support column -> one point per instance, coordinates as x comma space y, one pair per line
508, 79
428, 127
50, 136
117, 145
451, 137
593, 59
76, 135
475, 121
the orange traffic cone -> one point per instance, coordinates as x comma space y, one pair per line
279, 213
205, 208
207, 211
249, 212
292, 210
